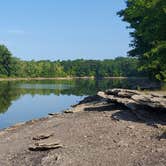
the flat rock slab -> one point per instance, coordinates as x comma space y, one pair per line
42, 136
135, 99
46, 144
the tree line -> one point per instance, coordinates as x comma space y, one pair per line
119, 67
147, 19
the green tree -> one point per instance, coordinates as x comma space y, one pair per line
14, 67
147, 18
5, 61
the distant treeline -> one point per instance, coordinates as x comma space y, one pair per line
14, 67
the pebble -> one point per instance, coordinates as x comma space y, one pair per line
122, 143
159, 150
130, 127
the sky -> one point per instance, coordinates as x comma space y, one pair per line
63, 29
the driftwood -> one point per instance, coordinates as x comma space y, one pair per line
134, 100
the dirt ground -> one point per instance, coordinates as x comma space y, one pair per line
102, 135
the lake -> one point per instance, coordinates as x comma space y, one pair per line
25, 100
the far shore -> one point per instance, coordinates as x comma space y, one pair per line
62, 78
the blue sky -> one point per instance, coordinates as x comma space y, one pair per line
63, 29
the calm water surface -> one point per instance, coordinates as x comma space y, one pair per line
25, 100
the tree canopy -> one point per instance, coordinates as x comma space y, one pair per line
118, 67
147, 18
5, 61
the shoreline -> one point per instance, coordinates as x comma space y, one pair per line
70, 110
63, 78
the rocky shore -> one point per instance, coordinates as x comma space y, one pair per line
114, 128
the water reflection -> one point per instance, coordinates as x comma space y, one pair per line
12, 91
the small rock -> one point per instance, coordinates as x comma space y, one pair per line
122, 144
49, 160
133, 153
156, 125
145, 146
53, 114
114, 141
130, 127
68, 111
115, 118
159, 150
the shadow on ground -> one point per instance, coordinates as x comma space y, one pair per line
120, 112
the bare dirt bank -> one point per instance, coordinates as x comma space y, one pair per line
97, 133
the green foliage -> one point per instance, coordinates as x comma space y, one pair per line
5, 61
147, 18
14, 67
